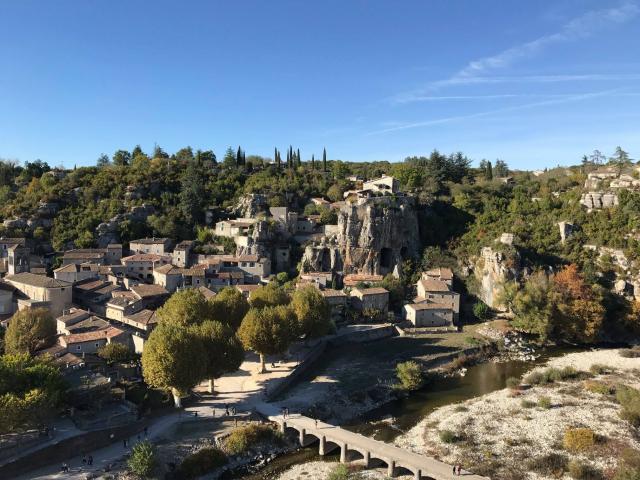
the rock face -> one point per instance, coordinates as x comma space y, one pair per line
492, 270
596, 200
259, 242
248, 206
566, 230
108, 232
373, 236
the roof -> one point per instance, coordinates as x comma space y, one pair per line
12, 240
93, 323
144, 317
77, 267
90, 284
443, 273
167, 269
69, 360
54, 350
184, 245
206, 292
329, 292
361, 277
371, 291
74, 315
149, 241
34, 280
120, 301
92, 254
247, 288
143, 290
108, 333
7, 287
145, 257
429, 306
231, 275
430, 285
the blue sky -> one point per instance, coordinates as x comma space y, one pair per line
537, 83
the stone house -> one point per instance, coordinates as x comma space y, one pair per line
144, 320
247, 290
353, 279
76, 272
376, 298
168, 276
8, 245
182, 253
68, 318
429, 314
90, 342
156, 246
437, 291
109, 255
42, 291
337, 301
141, 265
441, 273
234, 228
8, 300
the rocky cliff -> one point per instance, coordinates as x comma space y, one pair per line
373, 236
492, 269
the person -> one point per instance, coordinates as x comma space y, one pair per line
459, 469
454, 469
226, 409
236, 421
90, 460
84, 459
124, 443
196, 413
146, 430
316, 423
64, 467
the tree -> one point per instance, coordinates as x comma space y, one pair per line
103, 161
276, 158
186, 308
239, 157
121, 158
268, 331
185, 155
192, 194
224, 351
312, 311
115, 352
487, 169
396, 291
501, 169
531, 306
229, 158
597, 158
298, 160
481, 310
620, 158
158, 152
313, 162
137, 150
229, 306
31, 389
269, 295
174, 359
324, 159
410, 375
143, 460
29, 330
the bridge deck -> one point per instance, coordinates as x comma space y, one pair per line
428, 466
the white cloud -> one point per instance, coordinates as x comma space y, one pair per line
439, 121
583, 26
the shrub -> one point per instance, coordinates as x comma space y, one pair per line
410, 375
629, 352
447, 436
550, 375
629, 399
599, 369
544, 402
582, 471
513, 383
339, 472
527, 403
552, 464
481, 311
534, 378
598, 387
243, 438
202, 462
628, 465
115, 352
460, 408
578, 439
143, 459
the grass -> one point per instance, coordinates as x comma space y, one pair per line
629, 399
578, 439
602, 388
545, 402
550, 465
633, 352
550, 375
527, 403
447, 436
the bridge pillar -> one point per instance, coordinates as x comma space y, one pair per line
283, 426
418, 475
343, 453
302, 434
323, 443
391, 469
367, 459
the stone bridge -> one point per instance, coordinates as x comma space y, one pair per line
354, 446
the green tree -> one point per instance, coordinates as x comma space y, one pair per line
224, 351
501, 169
481, 310
31, 390
103, 161
186, 307
115, 352
229, 159
270, 295
143, 459
121, 158
268, 331
410, 375
229, 306
531, 306
324, 159
192, 194
174, 359
312, 311
396, 291
29, 330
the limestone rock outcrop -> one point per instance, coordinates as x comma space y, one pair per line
596, 200
373, 236
492, 269
248, 206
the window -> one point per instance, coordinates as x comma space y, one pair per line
97, 345
78, 347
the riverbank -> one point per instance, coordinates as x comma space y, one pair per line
521, 433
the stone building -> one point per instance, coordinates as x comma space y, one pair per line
42, 291
376, 298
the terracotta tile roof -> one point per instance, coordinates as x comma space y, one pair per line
146, 257
94, 323
441, 272
206, 292
145, 317
109, 332
329, 292
90, 285
143, 290
167, 269
371, 291
149, 241
34, 280
83, 254
433, 285
247, 288
69, 360
75, 315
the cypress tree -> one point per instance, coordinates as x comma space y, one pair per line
324, 159
239, 157
298, 156
313, 162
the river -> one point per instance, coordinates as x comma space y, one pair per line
393, 419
